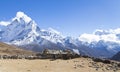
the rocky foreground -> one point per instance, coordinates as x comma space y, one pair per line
48, 65
13, 59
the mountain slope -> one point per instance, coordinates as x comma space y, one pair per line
116, 57
6, 49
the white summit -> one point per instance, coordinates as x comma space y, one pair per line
22, 15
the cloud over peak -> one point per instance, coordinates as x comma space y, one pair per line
111, 35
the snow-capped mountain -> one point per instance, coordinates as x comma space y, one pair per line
20, 28
24, 28
24, 32
52, 35
104, 42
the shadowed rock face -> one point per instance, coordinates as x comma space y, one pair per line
116, 57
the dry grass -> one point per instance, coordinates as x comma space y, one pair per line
6, 49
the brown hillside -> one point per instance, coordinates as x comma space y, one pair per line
6, 49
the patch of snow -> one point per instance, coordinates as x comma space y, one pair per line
76, 51
22, 15
4, 23
53, 30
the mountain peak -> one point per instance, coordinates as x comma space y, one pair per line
21, 15
53, 30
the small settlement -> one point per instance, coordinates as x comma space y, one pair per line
45, 54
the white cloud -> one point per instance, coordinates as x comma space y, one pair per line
105, 35
109, 37
101, 32
89, 38
4, 23
115, 31
105, 32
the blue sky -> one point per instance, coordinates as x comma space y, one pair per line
70, 17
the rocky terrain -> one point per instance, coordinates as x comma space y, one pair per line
47, 65
80, 64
